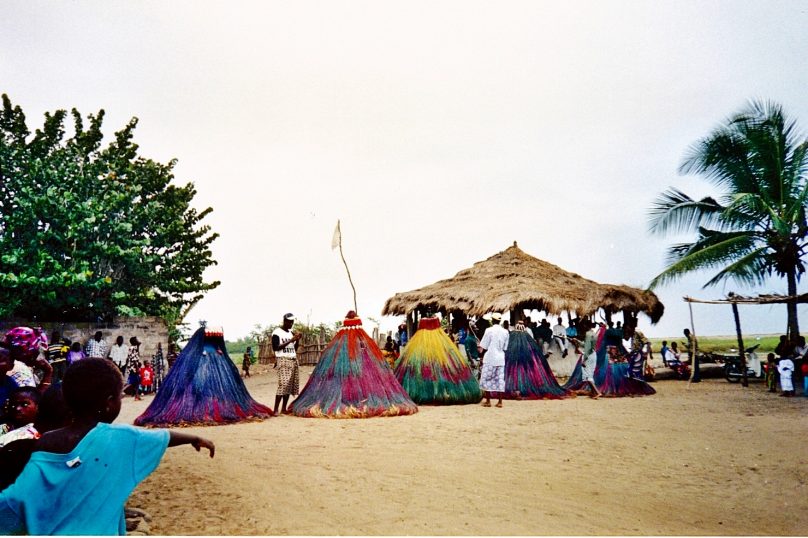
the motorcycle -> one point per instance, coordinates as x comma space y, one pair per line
754, 368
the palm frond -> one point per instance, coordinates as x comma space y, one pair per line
749, 211
797, 170
723, 160
714, 248
760, 162
674, 211
751, 269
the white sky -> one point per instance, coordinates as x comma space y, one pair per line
438, 132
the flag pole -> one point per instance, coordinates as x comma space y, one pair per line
338, 235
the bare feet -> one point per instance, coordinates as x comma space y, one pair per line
486, 404
499, 404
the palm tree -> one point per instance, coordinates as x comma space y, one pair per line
758, 225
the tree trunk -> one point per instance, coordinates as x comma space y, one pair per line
793, 325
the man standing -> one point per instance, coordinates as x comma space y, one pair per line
284, 343
97, 347
693, 353
57, 357
590, 356
118, 354
492, 349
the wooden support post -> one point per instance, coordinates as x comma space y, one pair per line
741, 353
693, 346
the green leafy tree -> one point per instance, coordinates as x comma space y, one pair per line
757, 228
87, 232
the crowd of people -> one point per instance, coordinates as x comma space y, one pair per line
58, 447
55, 398
24, 382
143, 376
787, 365
625, 343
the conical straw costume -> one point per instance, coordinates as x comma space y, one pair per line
352, 380
527, 375
202, 388
611, 378
432, 370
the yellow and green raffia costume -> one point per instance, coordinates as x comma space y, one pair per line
432, 370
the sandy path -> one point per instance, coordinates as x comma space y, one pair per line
684, 461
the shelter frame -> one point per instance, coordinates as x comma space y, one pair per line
734, 300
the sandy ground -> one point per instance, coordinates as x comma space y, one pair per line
708, 459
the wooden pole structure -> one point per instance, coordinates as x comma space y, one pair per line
693, 346
336, 241
350, 280
741, 353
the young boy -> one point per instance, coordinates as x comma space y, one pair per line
52, 414
246, 362
146, 378
133, 380
771, 373
89, 468
22, 408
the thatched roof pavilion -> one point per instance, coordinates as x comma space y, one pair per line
513, 280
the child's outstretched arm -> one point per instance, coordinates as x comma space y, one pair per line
177, 438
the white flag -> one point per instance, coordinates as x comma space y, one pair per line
336, 241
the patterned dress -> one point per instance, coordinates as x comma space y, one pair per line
288, 368
495, 342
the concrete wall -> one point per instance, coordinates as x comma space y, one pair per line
149, 330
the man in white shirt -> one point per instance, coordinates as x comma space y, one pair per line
118, 353
492, 351
560, 336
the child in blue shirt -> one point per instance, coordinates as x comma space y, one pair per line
79, 477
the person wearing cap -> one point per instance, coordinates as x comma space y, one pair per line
284, 344
492, 350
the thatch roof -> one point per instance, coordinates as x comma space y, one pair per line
511, 280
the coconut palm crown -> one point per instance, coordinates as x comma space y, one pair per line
758, 226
